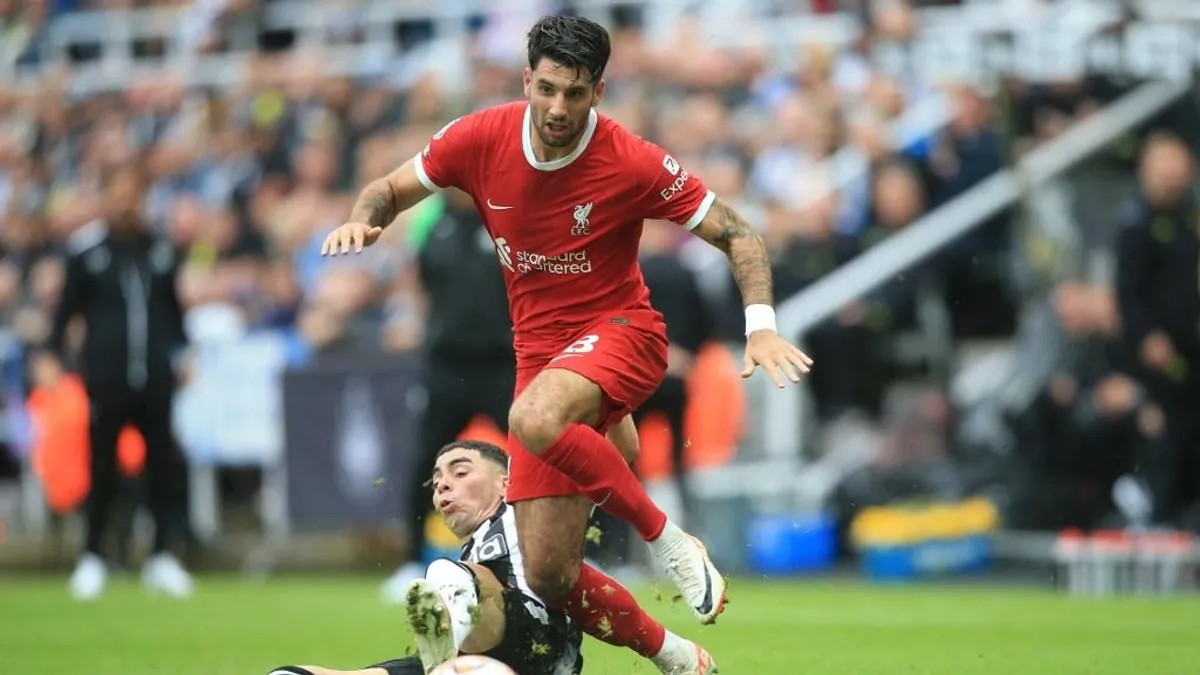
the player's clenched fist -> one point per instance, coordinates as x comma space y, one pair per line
351, 237
765, 348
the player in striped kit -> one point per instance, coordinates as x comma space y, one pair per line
482, 603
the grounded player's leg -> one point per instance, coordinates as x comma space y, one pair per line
409, 665
491, 625
443, 609
553, 418
505, 623
457, 608
319, 670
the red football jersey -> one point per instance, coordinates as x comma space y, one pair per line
566, 231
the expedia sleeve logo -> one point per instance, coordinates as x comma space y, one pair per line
676, 186
671, 166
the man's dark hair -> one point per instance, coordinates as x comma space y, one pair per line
571, 42
488, 451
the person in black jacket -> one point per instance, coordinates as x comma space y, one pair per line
121, 281
1158, 262
469, 362
1091, 428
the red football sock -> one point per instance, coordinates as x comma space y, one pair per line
607, 611
598, 468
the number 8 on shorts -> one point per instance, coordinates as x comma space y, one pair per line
583, 345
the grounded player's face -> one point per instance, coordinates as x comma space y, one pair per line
466, 489
561, 99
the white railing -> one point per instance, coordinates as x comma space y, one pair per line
315, 25
799, 314
114, 31
1167, 10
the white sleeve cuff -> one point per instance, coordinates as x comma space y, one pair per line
419, 165
702, 211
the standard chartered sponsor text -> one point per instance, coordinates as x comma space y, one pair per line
573, 262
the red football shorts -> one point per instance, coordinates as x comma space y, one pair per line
625, 354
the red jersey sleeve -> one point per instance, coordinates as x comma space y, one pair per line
675, 194
449, 160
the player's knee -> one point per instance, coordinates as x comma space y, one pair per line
551, 579
535, 426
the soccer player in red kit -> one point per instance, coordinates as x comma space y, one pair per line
564, 191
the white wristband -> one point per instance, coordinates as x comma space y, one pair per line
759, 317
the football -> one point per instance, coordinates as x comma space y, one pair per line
477, 665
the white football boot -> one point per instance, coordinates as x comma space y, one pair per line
430, 623
163, 574
683, 657
686, 563
89, 578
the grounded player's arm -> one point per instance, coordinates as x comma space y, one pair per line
377, 206
724, 228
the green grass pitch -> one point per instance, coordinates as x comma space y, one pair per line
236, 627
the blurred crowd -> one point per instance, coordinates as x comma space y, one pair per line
247, 181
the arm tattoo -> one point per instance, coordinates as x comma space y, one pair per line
376, 206
724, 228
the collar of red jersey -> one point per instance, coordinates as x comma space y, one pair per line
555, 165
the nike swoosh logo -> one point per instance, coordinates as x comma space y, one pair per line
706, 604
497, 207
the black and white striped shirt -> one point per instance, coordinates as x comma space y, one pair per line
494, 545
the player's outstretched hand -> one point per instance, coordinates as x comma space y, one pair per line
765, 348
350, 238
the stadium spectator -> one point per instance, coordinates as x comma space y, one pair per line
121, 281
1160, 306
1092, 423
248, 173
